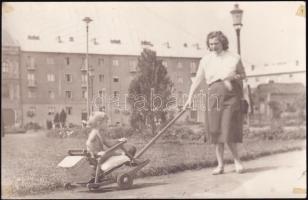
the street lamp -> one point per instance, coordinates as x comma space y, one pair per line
91, 76
237, 14
87, 20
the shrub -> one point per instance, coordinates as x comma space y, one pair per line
68, 132
119, 132
32, 126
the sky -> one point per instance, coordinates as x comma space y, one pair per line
271, 32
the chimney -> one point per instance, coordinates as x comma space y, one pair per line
115, 41
167, 44
95, 41
33, 37
59, 39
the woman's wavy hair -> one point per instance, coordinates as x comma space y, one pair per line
220, 36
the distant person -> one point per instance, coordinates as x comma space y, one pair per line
223, 72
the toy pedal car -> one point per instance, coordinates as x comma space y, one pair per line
124, 180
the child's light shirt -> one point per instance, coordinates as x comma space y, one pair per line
94, 143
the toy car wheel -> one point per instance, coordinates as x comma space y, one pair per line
92, 186
68, 186
125, 181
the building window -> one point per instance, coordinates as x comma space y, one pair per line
193, 67
31, 111
31, 94
252, 67
296, 62
83, 60
51, 110
69, 110
257, 79
50, 61
115, 79
101, 77
30, 77
67, 60
84, 78
180, 65
180, 79
290, 75
5, 90
101, 93
132, 63
31, 62
165, 63
5, 67
100, 61
115, 62
68, 94
115, 94
50, 77
51, 94
84, 93
68, 77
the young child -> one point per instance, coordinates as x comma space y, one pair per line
97, 141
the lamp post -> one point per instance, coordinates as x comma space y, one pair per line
237, 14
91, 76
87, 20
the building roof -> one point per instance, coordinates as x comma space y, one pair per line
7, 39
281, 88
275, 68
77, 44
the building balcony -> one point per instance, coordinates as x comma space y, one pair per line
133, 69
32, 83
31, 67
83, 68
83, 84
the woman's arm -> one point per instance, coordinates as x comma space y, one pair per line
198, 79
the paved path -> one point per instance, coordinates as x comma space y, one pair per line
271, 176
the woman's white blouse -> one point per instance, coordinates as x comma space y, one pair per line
213, 67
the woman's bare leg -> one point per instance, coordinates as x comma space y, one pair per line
238, 165
220, 159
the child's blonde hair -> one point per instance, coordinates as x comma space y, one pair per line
98, 117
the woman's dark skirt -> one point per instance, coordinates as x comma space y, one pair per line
224, 113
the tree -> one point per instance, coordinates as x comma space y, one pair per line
300, 105
276, 108
150, 92
276, 124
56, 120
62, 118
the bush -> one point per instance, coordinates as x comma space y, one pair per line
32, 126
119, 132
49, 124
68, 132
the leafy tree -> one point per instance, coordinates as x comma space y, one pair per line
62, 118
150, 92
56, 120
276, 108
300, 105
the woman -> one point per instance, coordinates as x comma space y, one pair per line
223, 72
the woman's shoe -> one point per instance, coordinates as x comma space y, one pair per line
239, 168
218, 170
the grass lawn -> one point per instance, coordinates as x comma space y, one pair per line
29, 160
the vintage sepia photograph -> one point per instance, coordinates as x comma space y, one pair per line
145, 100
